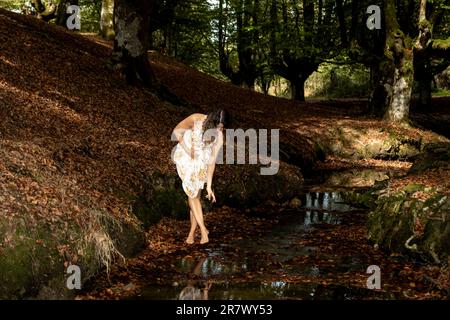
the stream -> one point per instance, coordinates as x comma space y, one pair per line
314, 250
211, 276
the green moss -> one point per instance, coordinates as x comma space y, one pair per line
31, 263
425, 24
441, 44
393, 223
163, 196
27, 264
413, 187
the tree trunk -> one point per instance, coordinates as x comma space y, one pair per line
425, 93
400, 94
298, 89
394, 90
106, 19
391, 94
249, 84
422, 58
265, 86
61, 12
131, 26
342, 24
378, 96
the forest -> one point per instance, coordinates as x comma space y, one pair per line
354, 96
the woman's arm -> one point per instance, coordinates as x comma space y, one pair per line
180, 129
212, 162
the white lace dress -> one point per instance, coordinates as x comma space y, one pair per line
193, 172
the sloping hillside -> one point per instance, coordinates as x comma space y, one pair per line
76, 147
75, 143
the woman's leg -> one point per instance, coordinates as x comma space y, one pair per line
190, 238
196, 207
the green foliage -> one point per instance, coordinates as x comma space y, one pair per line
343, 81
14, 5
90, 11
90, 15
280, 38
189, 36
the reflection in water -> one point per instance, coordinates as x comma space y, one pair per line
327, 201
314, 217
191, 292
307, 220
274, 290
281, 242
277, 288
210, 266
308, 201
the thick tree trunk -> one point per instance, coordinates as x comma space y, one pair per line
391, 94
106, 19
131, 24
400, 94
245, 73
298, 89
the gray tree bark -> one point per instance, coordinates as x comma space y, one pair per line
131, 25
391, 96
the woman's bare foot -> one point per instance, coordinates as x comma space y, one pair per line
190, 240
204, 240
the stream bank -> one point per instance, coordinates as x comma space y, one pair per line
313, 247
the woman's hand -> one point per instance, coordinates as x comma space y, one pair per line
211, 196
189, 151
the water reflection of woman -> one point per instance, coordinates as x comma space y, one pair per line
191, 292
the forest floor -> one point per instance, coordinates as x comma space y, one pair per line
75, 138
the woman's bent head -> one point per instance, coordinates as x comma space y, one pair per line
216, 120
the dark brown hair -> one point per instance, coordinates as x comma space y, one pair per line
213, 119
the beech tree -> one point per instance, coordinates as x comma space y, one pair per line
401, 54
302, 37
131, 41
238, 30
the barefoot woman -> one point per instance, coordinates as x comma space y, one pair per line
200, 138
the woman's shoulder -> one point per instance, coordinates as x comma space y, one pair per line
198, 116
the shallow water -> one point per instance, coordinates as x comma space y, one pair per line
255, 291
217, 269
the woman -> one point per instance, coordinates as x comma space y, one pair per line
200, 138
